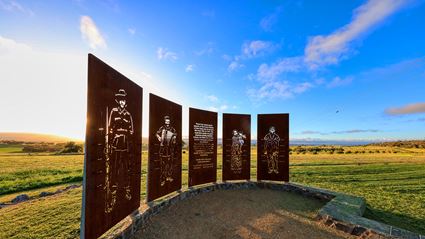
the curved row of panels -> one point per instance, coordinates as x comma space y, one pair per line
112, 164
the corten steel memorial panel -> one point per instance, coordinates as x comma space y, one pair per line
202, 146
113, 149
165, 147
273, 147
236, 146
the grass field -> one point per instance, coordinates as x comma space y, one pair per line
392, 183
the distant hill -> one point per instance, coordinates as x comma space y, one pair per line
402, 144
32, 137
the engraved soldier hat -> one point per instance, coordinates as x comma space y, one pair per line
120, 95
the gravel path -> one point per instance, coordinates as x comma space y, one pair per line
240, 214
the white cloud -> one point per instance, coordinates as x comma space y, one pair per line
267, 73
338, 81
132, 31
330, 49
91, 33
189, 68
249, 50
14, 6
255, 48
165, 54
278, 90
320, 51
234, 65
212, 98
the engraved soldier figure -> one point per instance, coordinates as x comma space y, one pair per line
119, 143
271, 150
167, 136
236, 152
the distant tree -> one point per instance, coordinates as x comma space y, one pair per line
72, 147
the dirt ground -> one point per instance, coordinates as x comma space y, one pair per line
246, 213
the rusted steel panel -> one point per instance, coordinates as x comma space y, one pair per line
165, 147
202, 146
113, 149
273, 147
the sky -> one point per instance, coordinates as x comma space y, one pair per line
343, 70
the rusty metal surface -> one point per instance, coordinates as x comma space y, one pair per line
165, 147
202, 146
236, 146
113, 149
273, 147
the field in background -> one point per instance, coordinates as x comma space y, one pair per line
392, 181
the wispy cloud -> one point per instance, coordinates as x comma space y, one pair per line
234, 65
91, 33
338, 81
132, 31
278, 89
190, 68
269, 21
415, 108
256, 48
330, 49
321, 50
356, 131
351, 131
310, 132
208, 50
249, 49
14, 6
270, 72
212, 98
165, 54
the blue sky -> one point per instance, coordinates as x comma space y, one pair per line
344, 70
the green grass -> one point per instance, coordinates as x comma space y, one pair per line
394, 191
393, 185
23, 172
10, 148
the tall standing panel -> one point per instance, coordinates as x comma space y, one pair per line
236, 146
165, 147
112, 162
273, 147
202, 146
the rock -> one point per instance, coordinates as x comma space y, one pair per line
21, 198
44, 194
71, 187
